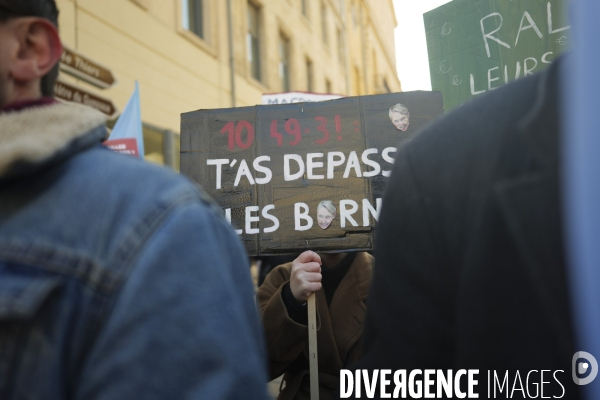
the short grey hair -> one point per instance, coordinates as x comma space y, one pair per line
328, 205
399, 108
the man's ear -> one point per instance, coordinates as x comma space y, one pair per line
39, 49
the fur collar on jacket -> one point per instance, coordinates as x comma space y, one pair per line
36, 134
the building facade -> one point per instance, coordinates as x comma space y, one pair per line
197, 54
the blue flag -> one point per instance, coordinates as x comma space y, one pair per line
129, 124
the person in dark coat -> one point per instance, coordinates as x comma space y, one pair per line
470, 256
340, 288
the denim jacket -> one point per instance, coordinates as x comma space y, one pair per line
117, 279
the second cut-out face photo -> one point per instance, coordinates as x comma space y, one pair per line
325, 213
399, 116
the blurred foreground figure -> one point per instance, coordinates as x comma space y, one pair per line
117, 279
470, 270
581, 185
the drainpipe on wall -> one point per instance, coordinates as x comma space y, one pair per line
363, 39
346, 52
231, 54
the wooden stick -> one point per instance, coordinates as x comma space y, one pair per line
312, 348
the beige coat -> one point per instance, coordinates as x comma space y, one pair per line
339, 330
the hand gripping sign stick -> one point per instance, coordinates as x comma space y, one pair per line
312, 348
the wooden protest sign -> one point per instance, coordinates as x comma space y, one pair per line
478, 46
302, 176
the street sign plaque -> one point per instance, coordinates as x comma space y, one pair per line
74, 94
79, 66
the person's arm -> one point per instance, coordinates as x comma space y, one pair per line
296, 310
286, 337
185, 324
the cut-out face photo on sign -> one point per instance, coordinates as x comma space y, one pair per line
325, 213
399, 116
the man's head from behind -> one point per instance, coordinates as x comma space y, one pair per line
29, 49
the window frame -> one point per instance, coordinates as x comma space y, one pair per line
284, 64
254, 43
186, 20
310, 74
341, 43
304, 8
324, 23
207, 43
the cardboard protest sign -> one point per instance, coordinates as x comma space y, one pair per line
477, 46
302, 176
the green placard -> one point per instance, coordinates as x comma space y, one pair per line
479, 45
